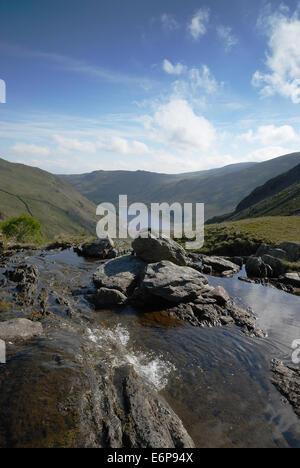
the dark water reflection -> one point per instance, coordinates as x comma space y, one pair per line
217, 379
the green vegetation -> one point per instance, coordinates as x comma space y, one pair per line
285, 203
23, 228
244, 237
57, 205
4, 306
220, 189
291, 266
280, 196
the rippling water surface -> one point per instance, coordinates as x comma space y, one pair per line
216, 379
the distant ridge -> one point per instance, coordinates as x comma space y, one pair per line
220, 189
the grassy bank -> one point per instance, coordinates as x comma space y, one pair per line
244, 237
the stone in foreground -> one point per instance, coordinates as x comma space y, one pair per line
20, 328
152, 250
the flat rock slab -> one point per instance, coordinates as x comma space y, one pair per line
20, 328
220, 265
155, 249
120, 274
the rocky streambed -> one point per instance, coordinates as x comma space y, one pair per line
126, 353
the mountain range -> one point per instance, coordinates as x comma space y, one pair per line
220, 189
67, 203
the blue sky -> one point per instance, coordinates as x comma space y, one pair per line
167, 86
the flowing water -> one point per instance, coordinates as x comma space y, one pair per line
217, 380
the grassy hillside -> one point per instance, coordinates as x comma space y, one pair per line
284, 203
55, 203
220, 190
244, 237
271, 188
280, 196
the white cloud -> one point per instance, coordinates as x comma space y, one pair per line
171, 69
122, 146
266, 153
198, 25
25, 149
203, 78
176, 124
270, 135
169, 23
191, 80
72, 144
228, 38
283, 56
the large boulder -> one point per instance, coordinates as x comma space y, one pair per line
292, 249
20, 328
278, 253
263, 249
121, 274
256, 268
170, 283
101, 249
278, 268
220, 265
153, 249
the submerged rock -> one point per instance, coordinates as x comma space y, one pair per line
20, 328
105, 297
27, 279
208, 314
287, 380
153, 249
67, 397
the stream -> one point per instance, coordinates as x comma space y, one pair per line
217, 380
